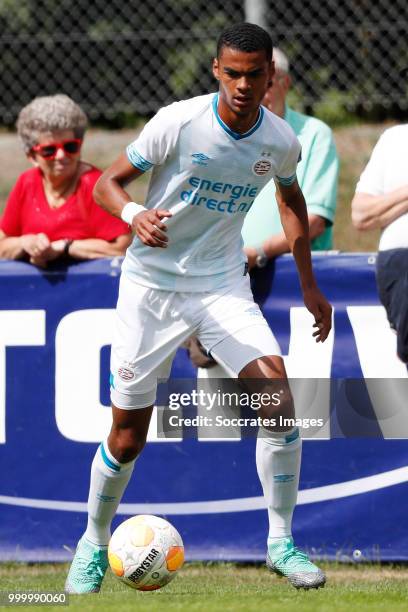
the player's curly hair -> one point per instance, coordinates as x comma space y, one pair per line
245, 37
49, 113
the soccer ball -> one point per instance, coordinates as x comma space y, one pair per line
145, 552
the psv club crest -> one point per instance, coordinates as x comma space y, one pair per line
261, 167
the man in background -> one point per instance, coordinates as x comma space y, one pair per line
317, 174
381, 201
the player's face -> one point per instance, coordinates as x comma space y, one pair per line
243, 79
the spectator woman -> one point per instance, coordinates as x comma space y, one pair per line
50, 213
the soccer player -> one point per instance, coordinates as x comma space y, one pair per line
186, 273
317, 175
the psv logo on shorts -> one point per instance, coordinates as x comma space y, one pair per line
126, 374
261, 167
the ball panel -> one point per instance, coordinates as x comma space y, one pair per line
151, 587
136, 520
141, 535
116, 564
175, 558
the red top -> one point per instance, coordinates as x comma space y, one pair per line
28, 212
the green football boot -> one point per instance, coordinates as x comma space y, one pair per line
285, 559
87, 569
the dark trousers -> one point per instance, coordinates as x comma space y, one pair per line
392, 283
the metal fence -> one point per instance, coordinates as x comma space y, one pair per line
133, 56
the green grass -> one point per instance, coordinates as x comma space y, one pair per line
228, 587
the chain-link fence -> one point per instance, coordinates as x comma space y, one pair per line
132, 57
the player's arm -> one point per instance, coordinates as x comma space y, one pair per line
370, 212
293, 213
110, 193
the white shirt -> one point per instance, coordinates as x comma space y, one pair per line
208, 176
386, 171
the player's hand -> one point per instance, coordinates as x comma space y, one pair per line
150, 229
251, 254
320, 308
198, 354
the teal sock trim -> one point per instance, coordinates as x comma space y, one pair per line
293, 436
107, 461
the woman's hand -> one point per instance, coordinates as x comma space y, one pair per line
34, 244
41, 250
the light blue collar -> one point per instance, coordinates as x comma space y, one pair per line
230, 132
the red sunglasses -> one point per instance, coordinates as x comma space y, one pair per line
49, 151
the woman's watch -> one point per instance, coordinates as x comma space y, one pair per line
261, 258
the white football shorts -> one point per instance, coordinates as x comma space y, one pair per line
151, 325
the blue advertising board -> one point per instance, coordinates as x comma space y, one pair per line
55, 335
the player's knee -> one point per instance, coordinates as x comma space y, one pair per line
126, 444
285, 401
277, 404
280, 404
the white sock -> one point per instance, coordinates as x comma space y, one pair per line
278, 458
109, 479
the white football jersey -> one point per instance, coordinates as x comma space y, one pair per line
207, 176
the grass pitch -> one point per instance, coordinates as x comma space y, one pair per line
227, 587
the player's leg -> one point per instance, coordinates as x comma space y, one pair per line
278, 459
147, 333
278, 450
247, 348
111, 470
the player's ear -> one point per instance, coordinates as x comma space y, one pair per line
215, 68
271, 73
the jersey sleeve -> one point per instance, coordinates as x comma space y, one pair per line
101, 224
11, 220
157, 139
371, 180
286, 174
